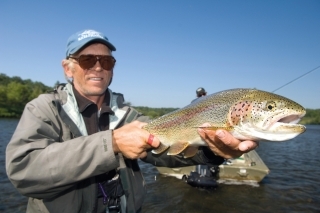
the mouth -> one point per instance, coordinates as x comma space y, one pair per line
291, 119
288, 123
95, 79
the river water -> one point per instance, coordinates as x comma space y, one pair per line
293, 184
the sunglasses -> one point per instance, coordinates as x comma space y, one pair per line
86, 62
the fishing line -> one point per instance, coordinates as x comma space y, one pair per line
297, 78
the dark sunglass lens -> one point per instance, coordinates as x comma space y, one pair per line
87, 61
107, 62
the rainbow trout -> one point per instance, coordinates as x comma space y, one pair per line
248, 114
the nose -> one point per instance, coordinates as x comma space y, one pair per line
97, 67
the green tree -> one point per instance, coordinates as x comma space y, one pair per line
3, 95
16, 92
312, 117
4, 79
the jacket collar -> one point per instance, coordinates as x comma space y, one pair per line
84, 103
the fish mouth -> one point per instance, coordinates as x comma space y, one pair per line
288, 123
280, 127
292, 119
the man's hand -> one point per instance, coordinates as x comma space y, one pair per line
222, 143
131, 140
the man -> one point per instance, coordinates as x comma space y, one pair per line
76, 149
201, 92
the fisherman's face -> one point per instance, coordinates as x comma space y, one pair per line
93, 81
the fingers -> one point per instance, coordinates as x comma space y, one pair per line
133, 141
224, 144
152, 141
142, 155
227, 139
232, 142
247, 146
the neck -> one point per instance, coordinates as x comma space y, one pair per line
98, 100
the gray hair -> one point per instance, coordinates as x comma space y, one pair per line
70, 64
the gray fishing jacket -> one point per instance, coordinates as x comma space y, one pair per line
53, 161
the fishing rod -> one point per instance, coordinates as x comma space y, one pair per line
297, 78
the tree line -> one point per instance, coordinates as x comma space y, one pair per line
16, 92
153, 112
312, 117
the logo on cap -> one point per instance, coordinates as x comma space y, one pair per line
89, 34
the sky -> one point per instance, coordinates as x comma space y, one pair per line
166, 49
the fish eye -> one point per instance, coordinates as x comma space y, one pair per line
271, 105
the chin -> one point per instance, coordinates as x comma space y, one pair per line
95, 92
98, 93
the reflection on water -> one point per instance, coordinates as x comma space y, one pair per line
292, 185
10, 199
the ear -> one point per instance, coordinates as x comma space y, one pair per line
67, 71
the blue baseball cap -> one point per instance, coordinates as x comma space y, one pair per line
80, 39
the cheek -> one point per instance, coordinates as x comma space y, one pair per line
110, 75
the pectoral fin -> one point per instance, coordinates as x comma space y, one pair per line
190, 151
161, 148
177, 147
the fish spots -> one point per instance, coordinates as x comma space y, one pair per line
239, 111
